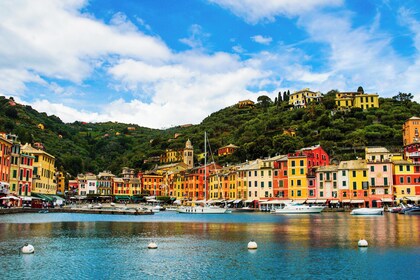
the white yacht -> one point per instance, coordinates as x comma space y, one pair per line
298, 208
206, 209
367, 211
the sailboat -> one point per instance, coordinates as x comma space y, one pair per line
204, 208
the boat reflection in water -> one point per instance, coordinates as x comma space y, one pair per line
367, 211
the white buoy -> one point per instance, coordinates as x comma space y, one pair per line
252, 245
152, 245
362, 243
27, 249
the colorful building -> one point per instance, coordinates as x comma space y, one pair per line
5, 156
347, 100
297, 168
227, 150
326, 184
43, 171
302, 98
411, 129
405, 181
104, 180
280, 178
353, 182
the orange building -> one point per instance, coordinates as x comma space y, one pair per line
411, 129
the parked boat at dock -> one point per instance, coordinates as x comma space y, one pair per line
367, 211
298, 208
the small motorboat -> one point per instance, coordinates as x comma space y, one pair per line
415, 210
367, 211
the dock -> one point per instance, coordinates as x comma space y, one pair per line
108, 211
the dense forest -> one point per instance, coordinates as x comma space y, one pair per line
258, 131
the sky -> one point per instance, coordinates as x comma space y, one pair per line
163, 63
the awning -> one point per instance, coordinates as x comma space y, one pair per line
321, 201
311, 201
346, 201
356, 201
248, 201
43, 196
412, 198
230, 201
177, 202
387, 200
122, 197
334, 201
299, 200
237, 201
10, 197
262, 200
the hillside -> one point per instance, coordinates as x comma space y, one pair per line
81, 147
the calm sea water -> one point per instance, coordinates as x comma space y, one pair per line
324, 246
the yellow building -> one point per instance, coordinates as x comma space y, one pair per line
404, 180
302, 98
185, 155
43, 171
246, 104
61, 182
353, 181
411, 131
179, 186
348, 100
297, 182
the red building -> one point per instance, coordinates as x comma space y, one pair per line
5, 153
227, 150
316, 156
280, 178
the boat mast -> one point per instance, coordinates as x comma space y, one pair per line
205, 166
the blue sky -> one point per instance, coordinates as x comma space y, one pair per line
161, 63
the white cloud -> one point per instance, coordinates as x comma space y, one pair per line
196, 38
54, 39
261, 39
254, 11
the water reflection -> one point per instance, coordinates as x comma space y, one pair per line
306, 247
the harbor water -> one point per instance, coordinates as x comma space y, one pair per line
320, 246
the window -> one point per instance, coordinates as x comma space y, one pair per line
302, 171
344, 194
344, 183
281, 183
321, 185
401, 180
255, 173
299, 183
372, 181
276, 173
385, 168
285, 173
354, 194
321, 194
385, 181
256, 193
354, 186
262, 173
328, 176
311, 192
321, 176
262, 184
343, 173
372, 168
255, 183
334, 176
364, 173
269, 184
408, 180
301, 163
365, 193
407, 167
401, 168
293, 172
299, 193
293, 163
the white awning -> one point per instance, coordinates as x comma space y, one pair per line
356, 201
387, 200
10, 197
412, 198
311, 201
262, 200
299, 200
346, 200
177, 202
321, 201
237, 201
334, 201
248, 200
26, 198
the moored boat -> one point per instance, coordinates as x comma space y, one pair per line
415, 210
298, 208
206, 209
367, 211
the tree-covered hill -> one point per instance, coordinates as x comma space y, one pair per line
258, 131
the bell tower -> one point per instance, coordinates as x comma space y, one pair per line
189, 154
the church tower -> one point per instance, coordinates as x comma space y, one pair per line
189, 154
